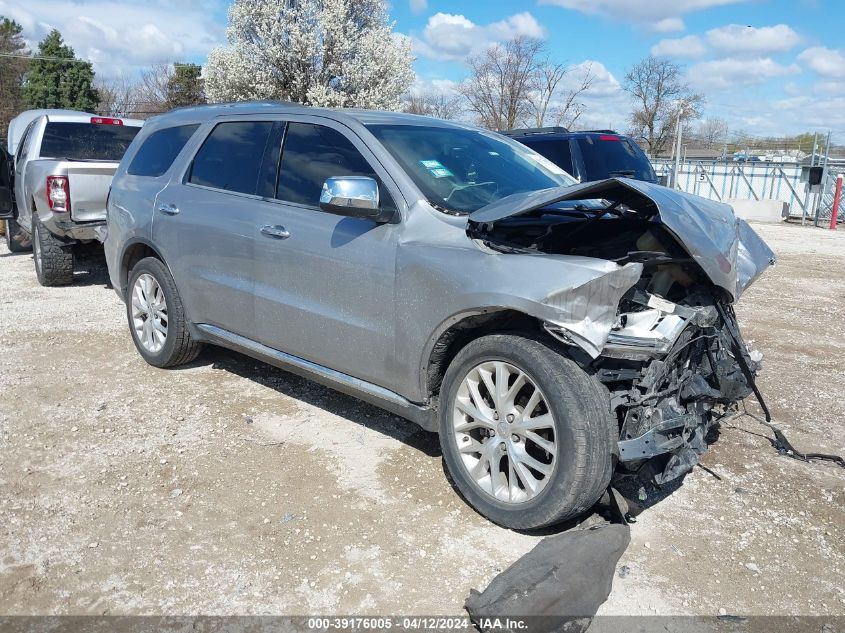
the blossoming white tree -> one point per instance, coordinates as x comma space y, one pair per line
336, 53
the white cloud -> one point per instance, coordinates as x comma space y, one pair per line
723, 74
689, 46
122, 39
736, 38
824, 61
604, 83
437, 85
418, 6
449, 36
668, 25
641, 11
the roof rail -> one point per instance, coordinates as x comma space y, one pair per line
525, 131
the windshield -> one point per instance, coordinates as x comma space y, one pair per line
86, 141
461, 170
608, 155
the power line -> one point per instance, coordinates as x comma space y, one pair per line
71, 61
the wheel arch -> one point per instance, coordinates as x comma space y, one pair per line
133, 252
458, 331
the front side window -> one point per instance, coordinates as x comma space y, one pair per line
231, 156
311, 154
461, 170
159, 150
86, 141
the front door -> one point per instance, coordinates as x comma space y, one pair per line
325, 283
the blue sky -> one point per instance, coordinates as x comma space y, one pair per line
766, 66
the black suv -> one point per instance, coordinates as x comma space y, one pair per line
589, 155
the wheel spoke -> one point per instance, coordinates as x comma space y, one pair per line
475, 414
544, 421
545, 444
523, 457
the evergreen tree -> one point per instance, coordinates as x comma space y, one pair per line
57, 79
185, 86
12, 70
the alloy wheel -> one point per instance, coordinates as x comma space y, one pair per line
505, 432
149, 313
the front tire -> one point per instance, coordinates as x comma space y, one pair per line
527, 435
53, 258
157, 317
13, 229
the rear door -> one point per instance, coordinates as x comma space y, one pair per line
326, 291
205, 223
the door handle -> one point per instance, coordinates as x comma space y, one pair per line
277, 231
167, 209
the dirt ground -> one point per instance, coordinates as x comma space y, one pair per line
230, 487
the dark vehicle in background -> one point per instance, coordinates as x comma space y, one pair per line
63, 166
591, 155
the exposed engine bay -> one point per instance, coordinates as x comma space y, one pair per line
673, 360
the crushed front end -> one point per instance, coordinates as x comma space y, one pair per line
672, 373
658, 329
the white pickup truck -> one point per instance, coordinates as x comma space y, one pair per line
63, 166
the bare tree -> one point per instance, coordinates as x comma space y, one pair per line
550, 100
660, 96
439, 105
500, 80
118, 97
713, 132
152, 88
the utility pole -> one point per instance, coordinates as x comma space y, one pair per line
678, 133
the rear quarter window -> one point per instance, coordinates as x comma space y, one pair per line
558, 151
610, 155
159, 150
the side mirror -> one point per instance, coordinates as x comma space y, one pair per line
354, 197
663, 180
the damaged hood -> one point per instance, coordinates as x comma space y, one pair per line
726, 248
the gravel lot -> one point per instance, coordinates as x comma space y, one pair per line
230, 487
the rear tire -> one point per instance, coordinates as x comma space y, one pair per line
156, 316
13, 229
553, 452
53, 258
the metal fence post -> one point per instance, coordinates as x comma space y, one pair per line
837, 197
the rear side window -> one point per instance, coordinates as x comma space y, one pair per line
231, 156
86, 141
609, 155
313, 153
159, 150
559, 152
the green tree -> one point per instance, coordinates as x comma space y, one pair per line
185, 86
57, 79
12, 71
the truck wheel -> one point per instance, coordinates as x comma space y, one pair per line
527, 436
53, 258
12, 230
156, 316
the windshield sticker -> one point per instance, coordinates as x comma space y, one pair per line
545, 162
436, 168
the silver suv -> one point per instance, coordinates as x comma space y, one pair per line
552, 333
